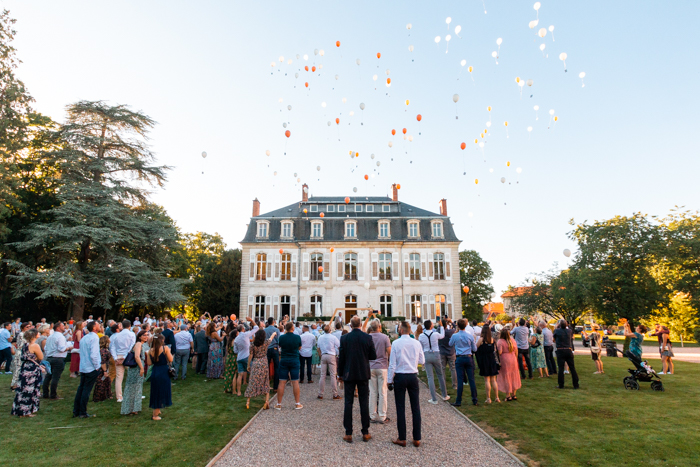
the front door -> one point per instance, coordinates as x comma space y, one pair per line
350, 307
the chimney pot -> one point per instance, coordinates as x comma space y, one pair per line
304, 193
443, 207
256, 207
394, 192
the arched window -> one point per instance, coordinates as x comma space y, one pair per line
439, 266
350, 267
316, 305
286, 267
385, 266
261, 267
385, 305
260, 307
316, 264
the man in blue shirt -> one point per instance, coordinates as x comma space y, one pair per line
90, 362
273, 350
5, 347
464, 345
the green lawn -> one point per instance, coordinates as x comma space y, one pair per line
599, 424
650, 341
200, 423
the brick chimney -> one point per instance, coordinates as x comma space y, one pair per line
394, 192
443, 207
256, 207
304, 193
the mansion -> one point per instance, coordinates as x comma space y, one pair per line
323, 254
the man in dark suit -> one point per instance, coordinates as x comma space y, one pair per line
356, 350
201, 348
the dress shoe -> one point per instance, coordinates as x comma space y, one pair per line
399, 442
366, 437
320, 397
385, 421
336, 398
475, 403
416, 443
87, 415
347, 438
456, 404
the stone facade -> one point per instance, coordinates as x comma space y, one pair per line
321, 254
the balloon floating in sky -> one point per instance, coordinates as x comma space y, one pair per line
379, 55
391, 144
287, 133
519, 169
337, 43
567, 252
345, 99
448, 21
204, 154
419, 117
275, 173
533, 23
562, 57
357, 61
404, 131
542, 32
289, 107
503, 179
410, 48
267, 153
362, 106
393, 132
537, 6
457, 31
354, 190
463, 146
437, 39
347, 200
366, 177
551, 30
409, 26
582, 75
455, 98
318, 168
463, 62
476, 181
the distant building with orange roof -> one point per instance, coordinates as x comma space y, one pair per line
510, 308
492, 309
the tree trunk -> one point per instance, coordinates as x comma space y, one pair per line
78, 308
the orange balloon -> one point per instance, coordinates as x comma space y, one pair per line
287, 133
337, 43
306, 68
306, 84
337, 121
305, 211
332, 249
322, 215
313, 68
347, 200
320, 269
393, 132
463, 145
398, 187
357, 154
419, 117
388, 81
281, 251
366, 177
404, 131
466, 289
379, 55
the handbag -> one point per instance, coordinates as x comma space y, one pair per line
172, 373
536, 344
130, 360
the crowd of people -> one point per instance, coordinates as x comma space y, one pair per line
114, 359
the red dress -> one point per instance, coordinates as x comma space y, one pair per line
75, 356
509, 375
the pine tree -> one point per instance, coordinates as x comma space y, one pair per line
103, 234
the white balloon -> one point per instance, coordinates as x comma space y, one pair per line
362, 106
275, 173
481, 144
281, 58
280, 101
551, 28
537, 6
204, 154
499, 41
371, 156
336, 77
374, 77
367, 285
267, 153
391, 144
463, 62
455, 98
322, 52
551, 111
491, 170
345, 99
409, 26
315, 51
529, 128
388, 71
529, 82
437, 39
410, 138
323, 104
320, 67
567, 252
352, 113
295, 174
542, 32
448, 37
458, 29
329, 123
488, 124
562, 56
378, 163
519, 170
494, 54
503, 179
448, 20
537, 107
521, 83
354, 189
306, 189
410, 48
357, 61
306, 57
296, 75
541, 46
272, 64
284, 125
582, 74
318, 168
289, 62
533, 23
297, 56
289, 107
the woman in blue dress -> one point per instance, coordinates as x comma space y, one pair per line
159, 357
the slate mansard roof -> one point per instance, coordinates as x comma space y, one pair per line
334, 222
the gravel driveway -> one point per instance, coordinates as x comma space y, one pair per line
313, 436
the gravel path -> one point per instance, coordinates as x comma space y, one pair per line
313, 436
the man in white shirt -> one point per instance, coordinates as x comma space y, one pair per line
469, 329
307, 344
137, 322
477, 330
297, 330
431, 349
328, 347
120, 345
56, 349
184, 344
406, 355
241, 347
314, 330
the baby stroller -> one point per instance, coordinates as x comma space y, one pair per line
642, 372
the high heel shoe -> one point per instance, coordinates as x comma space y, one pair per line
498, 400
487, 401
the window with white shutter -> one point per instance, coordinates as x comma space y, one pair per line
406, 266
375, 266
423, 266
277, 266
251, 305
396, 271
448, 266
361, 267
326, 266
341, 267
252, 267
305, 267
295, 260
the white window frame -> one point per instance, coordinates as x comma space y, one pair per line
411, 262
369, 208
313, 224
432, 229
385, 276
313, 208
259, 309
291, 229
330, 208
386, 208
354, 224
285, 276
439, 263
417, 224
358, 208
384, 300
341, 208
266, 226
388, 229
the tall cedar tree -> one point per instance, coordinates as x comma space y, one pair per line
476, 274
102, 223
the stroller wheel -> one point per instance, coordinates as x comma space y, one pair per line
657, 386
631, 384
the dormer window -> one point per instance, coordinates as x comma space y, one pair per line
386, 208
341, 208
358, 208
330, 208
287, 229
369, 208
263, 229
350, 229
317, 229
384, 230
413, 229
313, 208
437, 229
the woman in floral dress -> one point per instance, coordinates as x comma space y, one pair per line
17, 359
103, 385
231, 367
133, 389
537, 352
259, 382
30, 375
215, 363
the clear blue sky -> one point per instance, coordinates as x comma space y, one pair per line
625, 142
